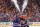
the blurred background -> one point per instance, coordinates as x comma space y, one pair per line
8, 10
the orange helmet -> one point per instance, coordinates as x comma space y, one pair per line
25, 17
14, 18
21, 21
21, 16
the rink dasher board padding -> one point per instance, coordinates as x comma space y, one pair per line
12, 26
34, 25
6, 26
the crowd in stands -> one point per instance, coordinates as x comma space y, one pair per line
8, 11
33, 11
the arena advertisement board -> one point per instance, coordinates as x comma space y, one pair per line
10, 24
34, 24
1, 23
6, 24
30, 23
